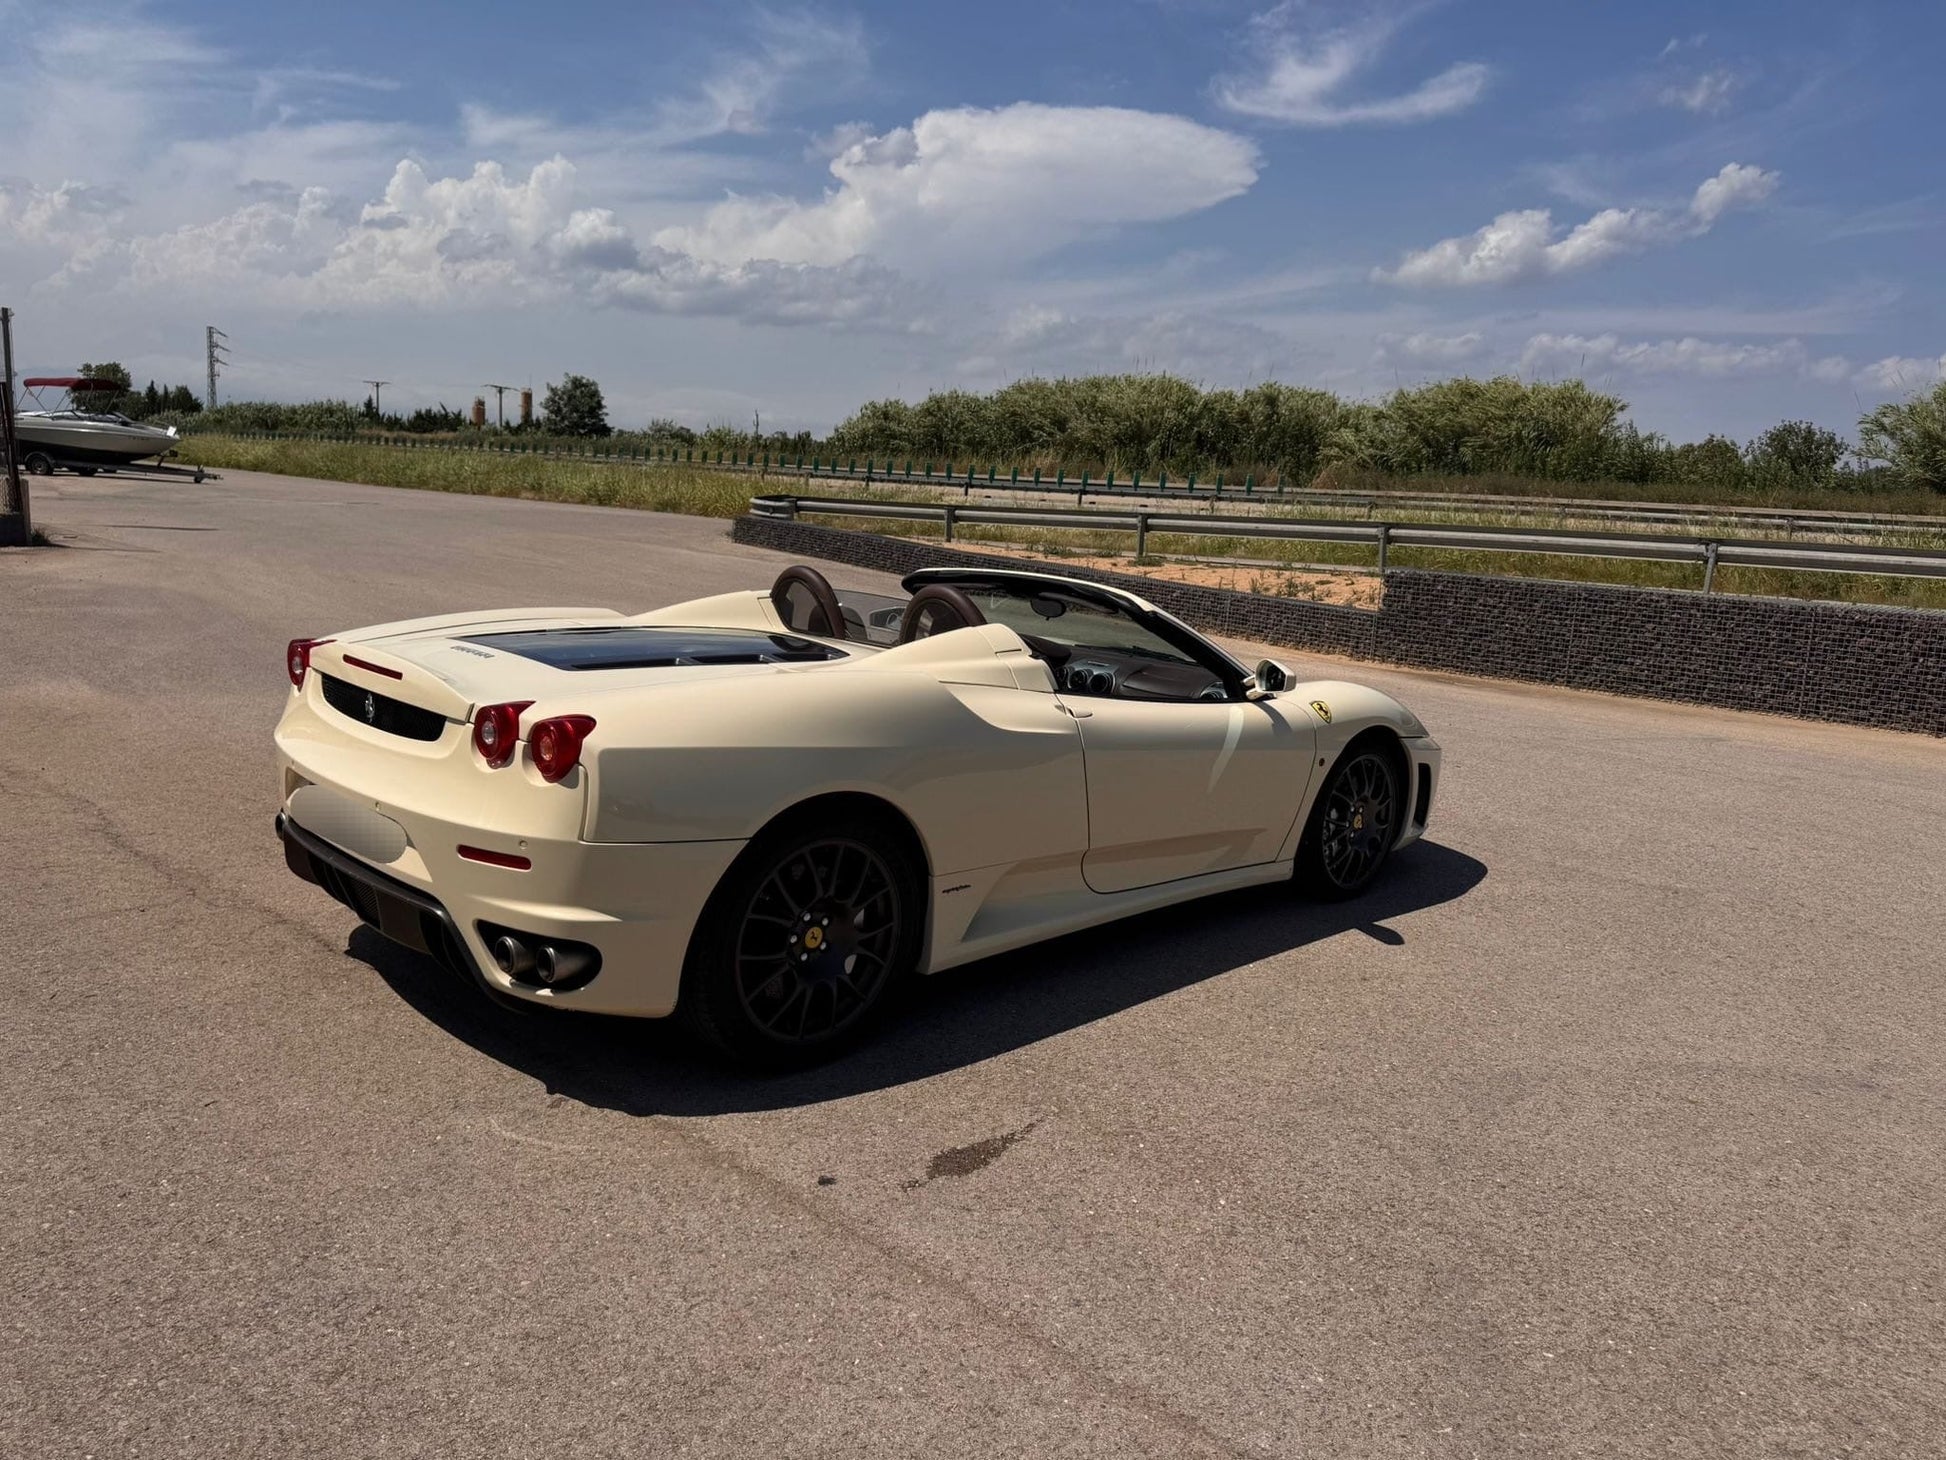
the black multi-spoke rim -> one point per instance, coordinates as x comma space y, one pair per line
816, 941
1360, 819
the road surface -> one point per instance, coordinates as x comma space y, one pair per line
1611, 1125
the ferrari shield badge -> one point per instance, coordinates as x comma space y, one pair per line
371, 709
1324, 710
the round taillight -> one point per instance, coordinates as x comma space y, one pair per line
555, 744
297, 659
496, 731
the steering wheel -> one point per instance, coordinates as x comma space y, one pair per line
938, 608
821, 615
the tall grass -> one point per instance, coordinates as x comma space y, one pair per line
698, 492
650, 488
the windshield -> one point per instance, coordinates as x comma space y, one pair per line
1034, 611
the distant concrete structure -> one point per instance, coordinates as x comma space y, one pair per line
479, 412
527, 406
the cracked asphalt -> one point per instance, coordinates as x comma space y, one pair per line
1611, 1124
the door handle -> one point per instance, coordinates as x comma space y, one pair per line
1070, 709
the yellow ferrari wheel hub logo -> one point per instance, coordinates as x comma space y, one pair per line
814, 938
1324, 710
1358, 822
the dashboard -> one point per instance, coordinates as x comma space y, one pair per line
1112, 674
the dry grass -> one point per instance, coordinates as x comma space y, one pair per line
700, 492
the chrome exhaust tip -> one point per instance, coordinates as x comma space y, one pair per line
557, 965
513, 957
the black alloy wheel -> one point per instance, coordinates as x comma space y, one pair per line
800, 946
1353, 825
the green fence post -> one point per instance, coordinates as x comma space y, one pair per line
1013, 476
1108, 480
1162, 484
1249, 484
1037, 476
1135, 481
1192, 483
1061, 477
991, 469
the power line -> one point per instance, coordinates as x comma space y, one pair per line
500, 401
376, 386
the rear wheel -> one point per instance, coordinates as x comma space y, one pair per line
1354, 823
803, 942
38, 463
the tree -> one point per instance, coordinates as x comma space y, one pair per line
575, 408
111, 370
1798, 454
1910, 438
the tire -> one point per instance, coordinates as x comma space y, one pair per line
1354, 823
804, 942
38, 464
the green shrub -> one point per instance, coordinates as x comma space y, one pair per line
1909, 437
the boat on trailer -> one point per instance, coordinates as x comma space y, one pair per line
80, 439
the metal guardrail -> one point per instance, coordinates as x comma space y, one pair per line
1711, 553
1696, 515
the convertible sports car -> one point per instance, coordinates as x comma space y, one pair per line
763, 810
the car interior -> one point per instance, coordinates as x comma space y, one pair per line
1091, 645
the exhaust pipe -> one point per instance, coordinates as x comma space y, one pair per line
558, 965
513, 957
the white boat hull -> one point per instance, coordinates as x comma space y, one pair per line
91, 440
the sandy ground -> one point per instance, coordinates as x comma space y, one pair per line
1354, 590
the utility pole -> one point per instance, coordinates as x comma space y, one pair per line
499, 402
16, 484
376, 386
213, 357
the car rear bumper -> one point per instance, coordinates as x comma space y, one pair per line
409, 917
635, 904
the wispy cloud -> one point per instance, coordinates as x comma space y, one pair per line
1303, 74
1429, 348
1706, 93
1688, 355
742, 89
1522, 246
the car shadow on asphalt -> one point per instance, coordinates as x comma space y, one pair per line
945, 1022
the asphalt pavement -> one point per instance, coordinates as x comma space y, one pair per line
1613, 1123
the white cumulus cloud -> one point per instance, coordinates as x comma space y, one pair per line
1520, 246
482, 240
971, 186
1302, 73
1903, 373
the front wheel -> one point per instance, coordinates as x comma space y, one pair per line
802, 943
1353, 825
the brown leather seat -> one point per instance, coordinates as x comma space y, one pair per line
938, 608
807, 604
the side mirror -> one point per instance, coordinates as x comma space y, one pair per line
1272, 676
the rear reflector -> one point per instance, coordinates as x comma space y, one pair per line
374, 668
496, 859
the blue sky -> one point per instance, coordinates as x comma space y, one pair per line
1728, 214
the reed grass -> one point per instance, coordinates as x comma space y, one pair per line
696, 491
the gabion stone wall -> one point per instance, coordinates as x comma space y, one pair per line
1820, 661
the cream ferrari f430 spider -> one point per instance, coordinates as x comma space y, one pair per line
762, 811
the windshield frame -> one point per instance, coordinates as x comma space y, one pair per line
1154, 621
